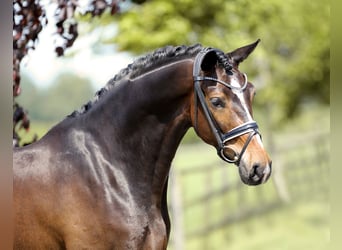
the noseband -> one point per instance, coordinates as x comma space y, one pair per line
250, 127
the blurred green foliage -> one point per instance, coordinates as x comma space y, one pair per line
290, 66
67, 93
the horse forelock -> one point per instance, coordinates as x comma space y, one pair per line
141, 65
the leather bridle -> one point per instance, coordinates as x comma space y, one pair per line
250, 127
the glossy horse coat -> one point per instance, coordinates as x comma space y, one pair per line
98, 179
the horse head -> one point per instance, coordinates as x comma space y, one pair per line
222, 112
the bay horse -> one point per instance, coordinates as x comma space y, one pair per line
98, 179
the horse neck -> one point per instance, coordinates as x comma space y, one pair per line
143, 121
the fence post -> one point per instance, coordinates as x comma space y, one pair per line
177, 211
278, 169
279, 181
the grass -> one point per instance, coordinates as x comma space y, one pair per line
299, 227
38, 128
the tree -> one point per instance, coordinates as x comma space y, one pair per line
291, 63
29, 19
68, 92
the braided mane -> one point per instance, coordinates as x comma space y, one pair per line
148, 62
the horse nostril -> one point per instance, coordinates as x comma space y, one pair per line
257, 171
259, 174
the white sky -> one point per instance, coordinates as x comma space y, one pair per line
42, 64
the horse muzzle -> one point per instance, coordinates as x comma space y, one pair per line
255, 175
254, 164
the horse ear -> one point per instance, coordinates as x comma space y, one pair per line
242, 53
209, 61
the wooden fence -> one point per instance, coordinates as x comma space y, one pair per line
208, 198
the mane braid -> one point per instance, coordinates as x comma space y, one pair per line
224, 60
140, 66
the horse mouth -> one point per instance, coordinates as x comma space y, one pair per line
256, 175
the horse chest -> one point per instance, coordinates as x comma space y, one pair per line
144, 229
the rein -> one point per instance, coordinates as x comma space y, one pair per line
250, 127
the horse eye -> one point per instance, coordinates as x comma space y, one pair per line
217, 102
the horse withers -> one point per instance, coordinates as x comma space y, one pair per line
98, 179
